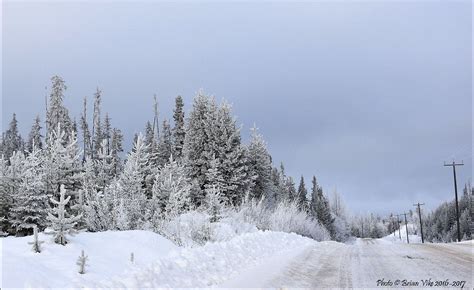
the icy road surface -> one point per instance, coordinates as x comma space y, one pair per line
364, 263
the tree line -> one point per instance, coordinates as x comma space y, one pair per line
196, 161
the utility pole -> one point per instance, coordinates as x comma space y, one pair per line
392, 221
421, 223
398, 224
406, 226
454, 164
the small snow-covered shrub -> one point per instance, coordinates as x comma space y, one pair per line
188, 229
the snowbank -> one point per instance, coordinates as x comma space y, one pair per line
213, 263
157, 261
395, 238
109, 256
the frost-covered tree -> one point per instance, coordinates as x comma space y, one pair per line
107, 132
320, 208
97, 124
171, 189
34, 138
82, 263
165, 145
12, 141
86, 134
36, 243
290, 185
115, 150
61, 222
30, 206
132, 187
196, 152
10, 186
214, 203
301, 195
215, 178
104, 166
225, 144
179, 132
260, 166
57, 113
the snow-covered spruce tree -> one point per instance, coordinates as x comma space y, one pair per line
301, 195
82, 263
290, 185
62, 164
107, 132
6, 199
12, 141
214, 203
34, 138
165, 145
215, 179
36, 243
11, 181
57, 112
225, 144
260, 166
179, 132
115, 150
30, 206
171, 190
86, 134
97, 124
62, 223
132, 183
103, 166
196, 152
320, 207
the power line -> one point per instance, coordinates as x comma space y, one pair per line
454, 164
421, 223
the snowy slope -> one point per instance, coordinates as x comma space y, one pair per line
158, 262
109, 256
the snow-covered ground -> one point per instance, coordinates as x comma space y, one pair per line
109, 256
258, 259
158, 263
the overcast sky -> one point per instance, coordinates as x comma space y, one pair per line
370, 97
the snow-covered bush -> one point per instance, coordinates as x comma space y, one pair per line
285, 217
188, 229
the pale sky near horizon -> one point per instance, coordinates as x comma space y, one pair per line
371, 97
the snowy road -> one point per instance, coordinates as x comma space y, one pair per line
367, 261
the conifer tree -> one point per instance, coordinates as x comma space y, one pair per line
57, 112
196, 151
320, 208
178, 129
260, 166
107, 132
165, 145
132, 186
12, 141
34, 138
96, 126
301, 195
82, 263
30, 206
86, 135
61, 222
62, 163
116, 148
